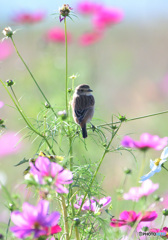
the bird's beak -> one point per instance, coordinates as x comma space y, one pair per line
90, 90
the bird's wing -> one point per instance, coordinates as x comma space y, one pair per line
80, 114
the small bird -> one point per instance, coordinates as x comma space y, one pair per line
83, 106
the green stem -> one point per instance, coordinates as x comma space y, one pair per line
26, 120
77, 233
69, 130
32, 77
66, 68
98, 167
65, 218
163, 221
136, 118
7, 230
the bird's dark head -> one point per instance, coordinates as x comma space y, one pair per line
83, 89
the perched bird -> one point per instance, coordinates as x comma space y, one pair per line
83, 106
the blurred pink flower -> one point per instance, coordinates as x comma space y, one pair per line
57, 34
44, 168
90, 38
146, 141
135, 193
8, 143
106, 17
5, 50
128, 218
92, 204
35, 220
29, 18
164, 231
88, 7
1, 104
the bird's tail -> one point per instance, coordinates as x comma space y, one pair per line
84, 131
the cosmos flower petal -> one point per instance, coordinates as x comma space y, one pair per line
53, 218
32, 216
105, 201
18, 218
43, 207
147, 176
61, 189
149, 216
151, 164
20, 233
164, 154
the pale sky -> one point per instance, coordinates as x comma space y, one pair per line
134, 9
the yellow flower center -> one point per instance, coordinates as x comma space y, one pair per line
36, 225
157, 161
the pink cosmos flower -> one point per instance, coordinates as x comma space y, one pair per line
106, 17
44, 169
8, 143
57, 34
164, 232
28, 18
146, 141
92, 204
90, 38
88, 7
5, 50
135, 193
128, 218
35, 220
1, 104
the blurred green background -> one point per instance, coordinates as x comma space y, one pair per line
126, 69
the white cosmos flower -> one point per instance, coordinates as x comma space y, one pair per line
156, 165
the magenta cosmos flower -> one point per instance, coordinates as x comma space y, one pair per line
1, 104
44, 169
90, 38
146, 141
92, 204
107, 16
135, 193
5, 50
34, 220
28, 18
128, 218
57, 35
9, 143
88, 7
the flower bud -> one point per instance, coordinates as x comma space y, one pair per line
9, 83
145, 229
69, 90
77, 221
62, 114
65, 10
165, 212
7, 32
1, 121
157, 198
127, 171
122, 118
47, 105
12, 207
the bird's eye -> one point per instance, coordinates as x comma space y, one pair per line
81, 90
